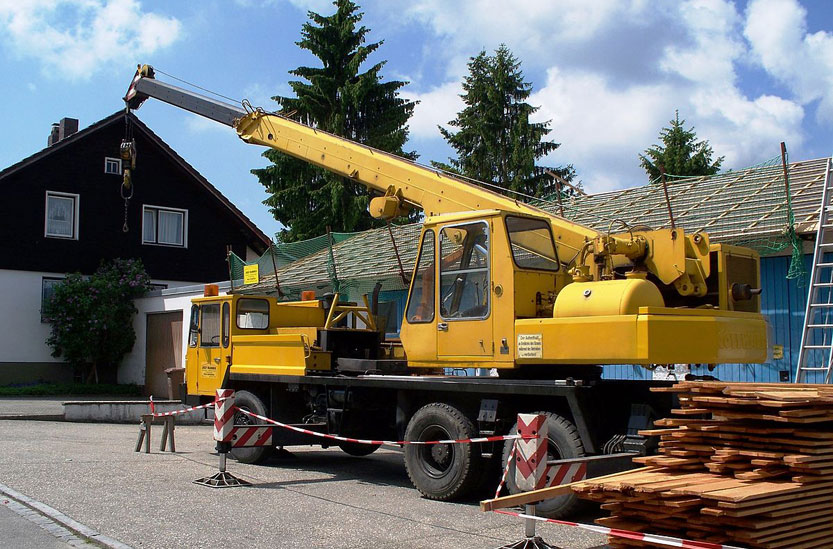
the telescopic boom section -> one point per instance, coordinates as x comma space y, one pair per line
402, 183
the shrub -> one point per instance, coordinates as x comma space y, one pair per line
92, 318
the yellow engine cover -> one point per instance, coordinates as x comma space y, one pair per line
606, 297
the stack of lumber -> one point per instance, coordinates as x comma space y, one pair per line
741, 464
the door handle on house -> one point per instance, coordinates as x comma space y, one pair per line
442, 326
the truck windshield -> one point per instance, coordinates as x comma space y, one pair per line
532, 244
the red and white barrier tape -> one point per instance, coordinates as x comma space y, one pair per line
627, 534
182, 411
506, 470
379, 442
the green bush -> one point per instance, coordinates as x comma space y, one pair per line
92, 318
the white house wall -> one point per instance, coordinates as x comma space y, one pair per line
24, 354
22, 334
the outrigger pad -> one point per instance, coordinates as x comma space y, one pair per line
530, 543
222, 480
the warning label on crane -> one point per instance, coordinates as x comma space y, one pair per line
530, 346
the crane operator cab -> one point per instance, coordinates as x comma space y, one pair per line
490, 291
464, 294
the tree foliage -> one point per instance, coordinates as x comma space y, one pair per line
338, 98
680, 153
495, 140
92, 318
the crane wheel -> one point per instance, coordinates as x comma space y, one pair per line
563, 442
358, 450
442, 471
251, 403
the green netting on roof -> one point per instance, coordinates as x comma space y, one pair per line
351, 266
281, 254
754, 207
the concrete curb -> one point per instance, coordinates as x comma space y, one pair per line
62, 519
126, 411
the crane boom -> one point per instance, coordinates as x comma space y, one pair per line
403, 183
673, 257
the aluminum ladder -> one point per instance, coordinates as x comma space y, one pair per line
816, 352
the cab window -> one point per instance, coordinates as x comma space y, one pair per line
194, 326
226, 321
532, 243
464, 271
210, 325
421, 303
252, 314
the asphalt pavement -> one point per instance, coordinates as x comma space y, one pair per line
317, 498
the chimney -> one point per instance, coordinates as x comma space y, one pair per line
62, 130
53, 135
67, 127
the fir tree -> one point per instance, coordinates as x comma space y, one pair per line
680, 153
338, 98
495, 141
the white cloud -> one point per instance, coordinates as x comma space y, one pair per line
712, 27
617, 71
436, 107
532, 24
777, 33
75, 38
601, 128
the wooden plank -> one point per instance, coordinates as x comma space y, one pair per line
542, 494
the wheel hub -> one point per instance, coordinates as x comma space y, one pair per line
440, 453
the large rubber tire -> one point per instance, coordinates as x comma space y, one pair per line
357, 449
442, 471
563, 443
252, 403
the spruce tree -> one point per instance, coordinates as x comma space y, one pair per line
338, 98
680, 153
495, 141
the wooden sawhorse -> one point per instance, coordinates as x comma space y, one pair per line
168, 424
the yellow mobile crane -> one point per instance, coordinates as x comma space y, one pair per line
498, 284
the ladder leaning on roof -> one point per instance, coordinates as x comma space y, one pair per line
816, 352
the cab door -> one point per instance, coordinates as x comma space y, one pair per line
213, 345
464, 323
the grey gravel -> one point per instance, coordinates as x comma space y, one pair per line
318, 498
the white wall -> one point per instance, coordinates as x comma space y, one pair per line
133, 367
22, 334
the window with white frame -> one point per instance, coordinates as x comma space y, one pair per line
112, 165
61, 215
164, 226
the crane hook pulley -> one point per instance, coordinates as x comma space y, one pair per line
127, 151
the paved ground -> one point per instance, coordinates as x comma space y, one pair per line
322, 498
23, 527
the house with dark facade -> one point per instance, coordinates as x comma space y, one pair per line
64, 211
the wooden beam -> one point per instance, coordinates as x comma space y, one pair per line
542, 494
564, 182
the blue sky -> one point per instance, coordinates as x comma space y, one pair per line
608, 73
